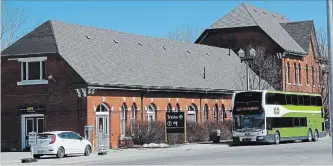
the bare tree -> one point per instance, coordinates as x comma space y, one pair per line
11, 20
323, 72
264, 68
264, 71
186, 34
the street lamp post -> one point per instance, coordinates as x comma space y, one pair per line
330, 56
247, 58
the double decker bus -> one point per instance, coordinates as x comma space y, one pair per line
276, 116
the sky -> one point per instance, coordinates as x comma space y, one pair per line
156, 18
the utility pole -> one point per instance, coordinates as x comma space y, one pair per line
330, 68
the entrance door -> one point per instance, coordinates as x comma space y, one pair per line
102, 127
32, 124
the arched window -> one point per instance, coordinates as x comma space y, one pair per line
192, 113
177, 109
169, 108
313, 77
223, 112
134, 111
299, 74
288, 72
123, 119
206, 113
102, 108
151, 113
216, 112
307, 74
295, 74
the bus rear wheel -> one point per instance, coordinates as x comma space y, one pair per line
277, 138
315, 136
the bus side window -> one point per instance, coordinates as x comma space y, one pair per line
319, 101
307, 100
294, 99
288, 100
301, 100
313, 101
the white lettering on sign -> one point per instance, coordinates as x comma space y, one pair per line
169, 123
175, 123
172, 117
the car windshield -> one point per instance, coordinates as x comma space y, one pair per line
246, 123
44, 136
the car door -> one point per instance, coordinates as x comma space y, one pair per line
66, 142
76, 143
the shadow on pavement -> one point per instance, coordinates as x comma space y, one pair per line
54, 157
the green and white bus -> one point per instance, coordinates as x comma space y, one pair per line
276, 116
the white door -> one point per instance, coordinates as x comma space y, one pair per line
29, 127
102, 127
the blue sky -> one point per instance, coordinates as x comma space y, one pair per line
156, 18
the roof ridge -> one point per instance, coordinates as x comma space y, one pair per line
263, 9
132, 34
225, 15
247, 10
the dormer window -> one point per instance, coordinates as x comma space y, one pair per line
32, 71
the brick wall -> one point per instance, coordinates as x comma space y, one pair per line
59, 99
309, 60
114, 100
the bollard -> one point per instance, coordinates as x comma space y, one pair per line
216, 135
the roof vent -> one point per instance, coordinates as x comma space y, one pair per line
255, 10
88, 37
115, 41
273, 15
264, 12
164, 47
282, 18
207, 53
188, 51
140, 44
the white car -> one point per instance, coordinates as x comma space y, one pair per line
61, 143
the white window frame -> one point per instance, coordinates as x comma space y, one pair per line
151, 111
216, 113
42, 71
206, 113
190, 112
123, 120
287, 73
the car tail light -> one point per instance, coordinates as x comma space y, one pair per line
53, 139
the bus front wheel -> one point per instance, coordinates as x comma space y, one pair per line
309, 136
277, 138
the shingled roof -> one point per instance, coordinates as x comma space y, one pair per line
278, 27
109, 58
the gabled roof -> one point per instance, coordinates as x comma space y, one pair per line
300, 31
246, 15
109, 58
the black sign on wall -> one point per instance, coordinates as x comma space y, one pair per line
32, 109
174, 122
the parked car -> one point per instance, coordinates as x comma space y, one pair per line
61, 143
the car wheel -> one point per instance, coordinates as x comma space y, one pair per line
36, 156
315, 136
87, 150
277, 138
61, 152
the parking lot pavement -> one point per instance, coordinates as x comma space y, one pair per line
293, 153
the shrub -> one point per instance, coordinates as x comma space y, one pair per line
143, 133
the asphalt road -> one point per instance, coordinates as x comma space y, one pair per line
304, 153
312, 153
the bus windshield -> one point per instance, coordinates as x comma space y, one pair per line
249, 123
248, 97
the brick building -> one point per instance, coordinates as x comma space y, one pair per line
293, 45
62, 76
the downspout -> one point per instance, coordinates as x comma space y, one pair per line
142, 108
